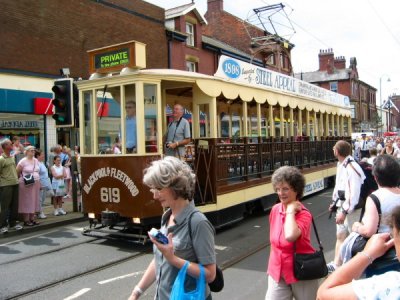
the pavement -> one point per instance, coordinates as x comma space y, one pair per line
51, 220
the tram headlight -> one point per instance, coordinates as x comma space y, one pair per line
91, 215
136, 220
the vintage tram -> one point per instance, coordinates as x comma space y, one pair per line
246, 122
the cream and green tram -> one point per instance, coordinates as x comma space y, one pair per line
246, 122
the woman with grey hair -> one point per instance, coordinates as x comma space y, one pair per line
172, 182
290, 224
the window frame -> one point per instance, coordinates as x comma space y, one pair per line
192, 64
190, 40
332, 89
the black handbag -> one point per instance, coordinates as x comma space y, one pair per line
361, 241
28, 179
358, 245
218, 283
309, 266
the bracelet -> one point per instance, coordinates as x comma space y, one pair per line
138, 291
177, 144
367, 256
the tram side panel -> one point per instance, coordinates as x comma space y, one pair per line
113, 186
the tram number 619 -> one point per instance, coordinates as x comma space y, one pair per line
110, 195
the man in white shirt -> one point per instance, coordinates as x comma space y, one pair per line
349, 178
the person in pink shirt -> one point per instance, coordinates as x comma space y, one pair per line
290, 224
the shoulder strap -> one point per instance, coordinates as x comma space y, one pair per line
378, 208
315, 230
349, 162
190, 224
316, 233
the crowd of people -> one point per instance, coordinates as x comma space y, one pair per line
352, 275
371, 271
363, 146
26, 180
25, 183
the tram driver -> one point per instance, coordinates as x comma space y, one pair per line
131, 135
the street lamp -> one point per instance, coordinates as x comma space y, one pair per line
380, 92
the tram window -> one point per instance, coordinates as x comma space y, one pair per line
235, 133
224, 124
87, 111
253, 124
204, 118
108, 119
130, 119
150, 115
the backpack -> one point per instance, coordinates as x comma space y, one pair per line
218, 284
368, 186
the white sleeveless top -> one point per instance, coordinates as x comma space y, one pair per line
388, 200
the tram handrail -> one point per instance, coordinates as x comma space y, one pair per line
219, 164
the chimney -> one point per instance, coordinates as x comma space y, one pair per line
325, 58
340, 63
215, 5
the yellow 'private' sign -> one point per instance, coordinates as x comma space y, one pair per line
116, 57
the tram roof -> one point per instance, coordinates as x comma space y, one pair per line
214, 86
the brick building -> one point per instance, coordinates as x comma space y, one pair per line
230, 30
43, 36
196, 42
40, 37
333, 75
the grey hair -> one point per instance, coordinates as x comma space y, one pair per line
171, 172
29, 148
4, 142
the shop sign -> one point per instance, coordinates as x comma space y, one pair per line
19, 124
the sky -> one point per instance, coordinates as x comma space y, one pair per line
368, 30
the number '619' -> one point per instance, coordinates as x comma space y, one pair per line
110, 195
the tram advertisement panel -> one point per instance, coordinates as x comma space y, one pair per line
115, 183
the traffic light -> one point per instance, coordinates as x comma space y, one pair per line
63, 102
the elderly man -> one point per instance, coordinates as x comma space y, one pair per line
346, 194
178, 134
8, 188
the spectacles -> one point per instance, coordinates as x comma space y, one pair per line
128, 107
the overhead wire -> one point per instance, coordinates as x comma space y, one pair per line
384, 23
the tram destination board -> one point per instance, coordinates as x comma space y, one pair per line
115, 183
